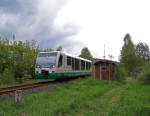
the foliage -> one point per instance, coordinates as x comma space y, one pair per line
128, 56
136, 59
143, 51
59, 48
17, 57
121, 73
134, 101
85, 53
7, 77
144, 75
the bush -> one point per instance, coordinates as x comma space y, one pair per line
7, 77
144, 75
121, 73
18, 58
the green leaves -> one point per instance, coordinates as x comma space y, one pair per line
128, 56
144, 75
121, 73
85, 53
136, 59
142, 50
18, 58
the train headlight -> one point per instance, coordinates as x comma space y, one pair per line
53, 66
38, 66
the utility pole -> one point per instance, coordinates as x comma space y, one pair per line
104, 53
110, 65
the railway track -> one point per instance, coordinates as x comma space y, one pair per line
31, 86
21, 87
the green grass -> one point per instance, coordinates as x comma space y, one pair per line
84, 97
134, 101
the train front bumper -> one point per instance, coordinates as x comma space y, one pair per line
47, 76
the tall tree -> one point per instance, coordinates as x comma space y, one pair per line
59, 48
143, 51
128, 55
85, 53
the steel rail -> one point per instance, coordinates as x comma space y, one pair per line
12, 89
21, 87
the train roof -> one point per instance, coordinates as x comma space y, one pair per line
69, 55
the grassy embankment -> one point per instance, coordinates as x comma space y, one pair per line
84, 97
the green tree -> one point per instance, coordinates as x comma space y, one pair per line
17, 58
59, 48
121, 73
128, 56
144, 75
85, 53
143, 51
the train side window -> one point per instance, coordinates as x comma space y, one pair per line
82, 65
60, 62
87, 65
73, 64
76, 64
68, 60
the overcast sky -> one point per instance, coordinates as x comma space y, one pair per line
77, 23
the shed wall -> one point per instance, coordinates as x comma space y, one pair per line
105, 71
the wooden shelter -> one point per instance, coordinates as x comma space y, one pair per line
105, 69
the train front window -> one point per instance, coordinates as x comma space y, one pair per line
46, 60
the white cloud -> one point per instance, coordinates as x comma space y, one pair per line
107, 22
78, 23
35, 19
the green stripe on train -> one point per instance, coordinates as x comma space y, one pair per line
60, 75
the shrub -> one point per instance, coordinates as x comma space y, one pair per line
144, 75
19, 58
7, 77
121, 73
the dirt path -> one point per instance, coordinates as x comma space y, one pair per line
109, 100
